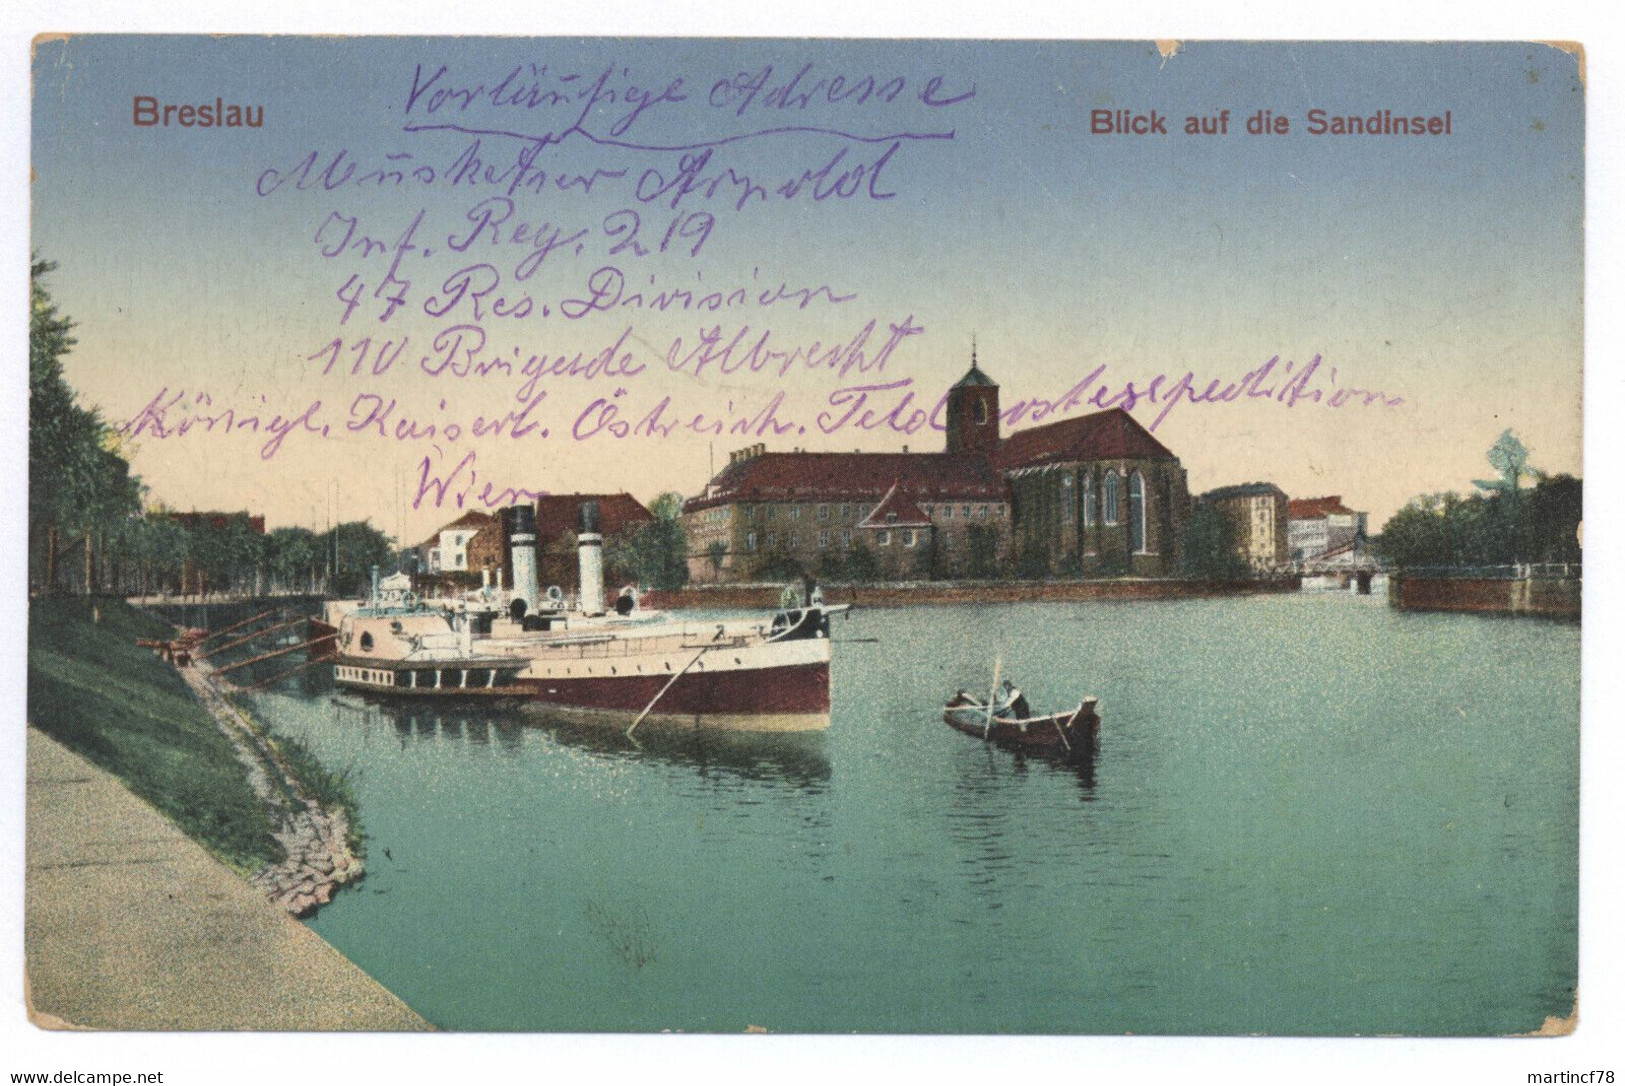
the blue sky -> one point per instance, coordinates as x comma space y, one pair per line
1444, 271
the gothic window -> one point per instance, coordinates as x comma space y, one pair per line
1111, 497
978, 411
1136, 512
1088, 500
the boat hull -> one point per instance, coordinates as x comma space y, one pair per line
763, 686
1071, 735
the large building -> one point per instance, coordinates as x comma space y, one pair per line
1324, 530
1096, 495
1258, 519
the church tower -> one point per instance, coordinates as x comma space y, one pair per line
973, 412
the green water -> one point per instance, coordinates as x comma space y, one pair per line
1308, 815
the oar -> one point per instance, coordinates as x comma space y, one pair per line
669, 684
987, 728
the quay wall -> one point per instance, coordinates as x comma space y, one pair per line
1549, 596
762, 597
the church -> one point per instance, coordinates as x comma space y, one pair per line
1096, 496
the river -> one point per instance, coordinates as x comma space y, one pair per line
1309, 814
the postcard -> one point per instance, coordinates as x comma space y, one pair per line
571, 535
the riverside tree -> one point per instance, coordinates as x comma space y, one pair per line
80, 490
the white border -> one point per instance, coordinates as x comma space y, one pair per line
279, 1059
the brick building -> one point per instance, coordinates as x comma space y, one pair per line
1095, 495
1324, 529
557, 518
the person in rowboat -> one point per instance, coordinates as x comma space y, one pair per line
1011, 702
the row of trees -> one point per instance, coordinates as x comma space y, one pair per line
88, 530
1504, 523
80, 490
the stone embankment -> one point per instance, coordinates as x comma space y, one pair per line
1549, 597
760, 596
316, 839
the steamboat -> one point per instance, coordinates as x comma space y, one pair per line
620, 663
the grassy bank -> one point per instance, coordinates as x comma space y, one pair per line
93, 690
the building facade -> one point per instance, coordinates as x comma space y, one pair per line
1324, 530
1093, 495
1096, 495
768, 515
1258, 519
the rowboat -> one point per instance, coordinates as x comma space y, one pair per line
1068, 734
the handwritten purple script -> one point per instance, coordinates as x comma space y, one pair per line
617, 415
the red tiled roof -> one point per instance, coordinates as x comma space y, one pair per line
1315, 508
896, 510
1104, 435
559, 514
819, 476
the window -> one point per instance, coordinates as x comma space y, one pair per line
1136, 513
459, 559
1066, 499
884, 539
823, 512
846, 512
750, 541
750, 512
964, 511
891, 518
772, 511
908, 538
795, 512
1111, 497
947, 512
978, 411
981, 512
795, 539
772, 539
823, 540
1089, 499
846, 538
366, 641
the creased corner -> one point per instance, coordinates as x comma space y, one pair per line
1575, 50
40, 1018
46, 38
1169, 48
1558, 1027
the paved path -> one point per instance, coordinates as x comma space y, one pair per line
131, 925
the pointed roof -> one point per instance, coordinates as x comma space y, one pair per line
975, 378
559, 514
1104, 435
896, 510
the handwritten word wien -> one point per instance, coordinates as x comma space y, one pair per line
1267, 122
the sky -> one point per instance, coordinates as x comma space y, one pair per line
973, 200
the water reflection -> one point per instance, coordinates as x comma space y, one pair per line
797, 759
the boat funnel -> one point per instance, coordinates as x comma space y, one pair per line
519, 524
591, 546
